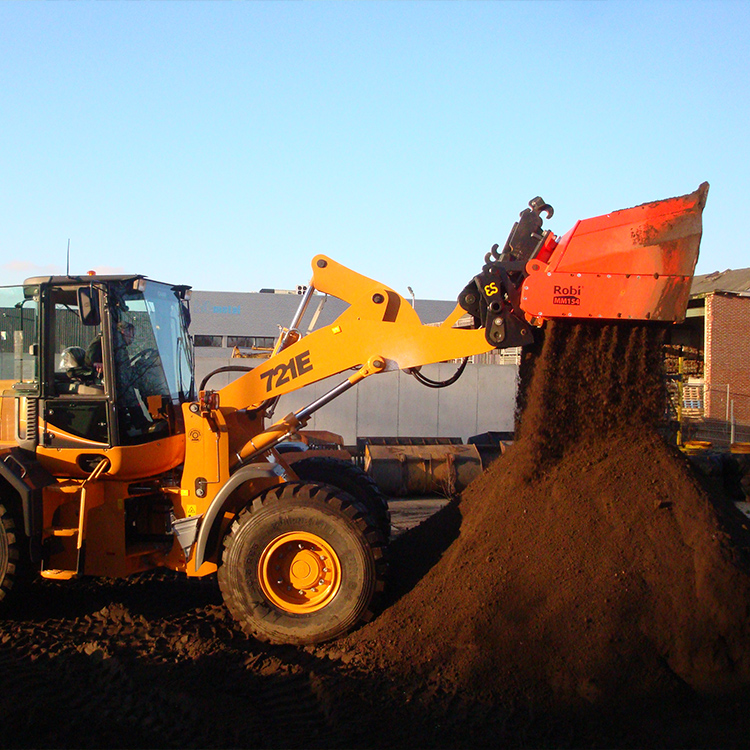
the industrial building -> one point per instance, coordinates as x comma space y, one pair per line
248, 323
390, 405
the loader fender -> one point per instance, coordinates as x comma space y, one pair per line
215, 510
28, 478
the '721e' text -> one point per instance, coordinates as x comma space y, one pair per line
287, 371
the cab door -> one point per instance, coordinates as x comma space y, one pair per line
76, 414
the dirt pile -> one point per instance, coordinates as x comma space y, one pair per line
590, 568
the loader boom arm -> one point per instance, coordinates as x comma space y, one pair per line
379, 323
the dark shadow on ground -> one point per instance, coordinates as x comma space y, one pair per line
417, 550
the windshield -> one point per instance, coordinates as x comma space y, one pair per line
161, 345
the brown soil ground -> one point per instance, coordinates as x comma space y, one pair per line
587, 591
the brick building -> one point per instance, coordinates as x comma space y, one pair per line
715, 342
727, 356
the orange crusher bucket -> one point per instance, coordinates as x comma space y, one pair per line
635, 264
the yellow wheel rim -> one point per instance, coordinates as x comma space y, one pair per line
299, 572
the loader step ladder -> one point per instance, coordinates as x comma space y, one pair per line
58, 575
78, 532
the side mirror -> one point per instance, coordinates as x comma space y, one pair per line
88, 306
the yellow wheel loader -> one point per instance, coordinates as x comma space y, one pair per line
113, 462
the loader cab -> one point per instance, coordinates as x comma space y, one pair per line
97, 367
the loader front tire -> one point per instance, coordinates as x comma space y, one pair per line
350, 478
303, 564
10, 551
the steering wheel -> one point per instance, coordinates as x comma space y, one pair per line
145, 360
149, 374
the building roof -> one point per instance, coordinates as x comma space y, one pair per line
262, 314
729, 281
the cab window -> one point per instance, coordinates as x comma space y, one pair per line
74, 348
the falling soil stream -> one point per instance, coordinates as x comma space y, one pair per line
588, 590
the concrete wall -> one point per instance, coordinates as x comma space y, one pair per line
394, 404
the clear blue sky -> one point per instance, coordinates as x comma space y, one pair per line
223, 144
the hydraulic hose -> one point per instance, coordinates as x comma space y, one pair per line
227, 368
424, 380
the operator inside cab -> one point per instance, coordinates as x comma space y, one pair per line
123, 338
130, 376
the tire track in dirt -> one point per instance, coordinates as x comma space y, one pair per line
160, 664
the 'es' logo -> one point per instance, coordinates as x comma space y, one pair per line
287, 371
566, 295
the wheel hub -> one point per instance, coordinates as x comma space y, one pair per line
299, 572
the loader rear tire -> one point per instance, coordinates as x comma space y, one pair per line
10, 551
351, 479
303, 564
